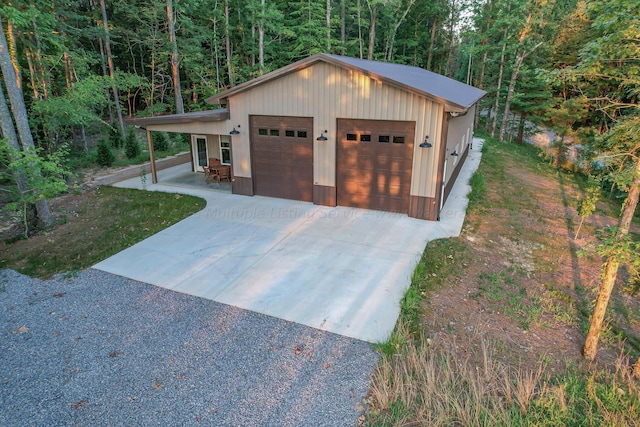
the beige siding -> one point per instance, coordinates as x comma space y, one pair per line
459, 137
327, 92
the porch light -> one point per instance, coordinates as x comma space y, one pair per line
235, 131
426, 143
322, 137
454, 154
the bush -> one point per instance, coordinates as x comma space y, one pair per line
115, 138
131, 145
160, 141
105, 156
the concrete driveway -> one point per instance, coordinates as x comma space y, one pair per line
339, 269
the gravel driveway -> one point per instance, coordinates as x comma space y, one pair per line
99, 349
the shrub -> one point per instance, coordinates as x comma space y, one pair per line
131, 145
115, 138
160, 141
105, 156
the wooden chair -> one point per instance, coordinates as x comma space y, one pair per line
216, 171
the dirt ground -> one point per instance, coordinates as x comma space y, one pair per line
523, 288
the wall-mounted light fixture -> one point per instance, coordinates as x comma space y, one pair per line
322, 137
455, 153
235, 131
426, 143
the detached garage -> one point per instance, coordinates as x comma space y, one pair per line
335, 130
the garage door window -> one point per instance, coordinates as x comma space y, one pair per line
274, 132
262, 132
302, 134
290, 133
398, 139
383, 138
365, 138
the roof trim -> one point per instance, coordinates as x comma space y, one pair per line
450, 106
218, 115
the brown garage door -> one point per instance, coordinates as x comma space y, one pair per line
282, 157
374, 164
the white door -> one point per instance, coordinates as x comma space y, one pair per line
200, 153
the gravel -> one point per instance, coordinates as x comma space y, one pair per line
98, 349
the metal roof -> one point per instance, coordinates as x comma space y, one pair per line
455, 95
197, 116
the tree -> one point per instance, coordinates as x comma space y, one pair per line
22, 124
114, 87
611, 57
175, 70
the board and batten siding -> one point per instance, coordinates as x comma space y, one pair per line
459, 138
327, 92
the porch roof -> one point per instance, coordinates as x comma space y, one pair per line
219, 115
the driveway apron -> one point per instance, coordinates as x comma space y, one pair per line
338, 269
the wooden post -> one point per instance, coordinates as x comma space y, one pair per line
152, 159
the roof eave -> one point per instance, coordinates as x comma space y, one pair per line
212, 116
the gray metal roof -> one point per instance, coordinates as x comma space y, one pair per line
197, 116
425, 81
455, 95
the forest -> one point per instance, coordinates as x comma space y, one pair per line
570, 65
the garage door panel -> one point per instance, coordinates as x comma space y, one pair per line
282, 159
374, 172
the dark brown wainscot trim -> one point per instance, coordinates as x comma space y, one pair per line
423, 208
242, 185
324, 195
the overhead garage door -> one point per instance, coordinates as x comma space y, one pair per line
282, 157
374, 164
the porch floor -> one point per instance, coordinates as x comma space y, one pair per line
178, 176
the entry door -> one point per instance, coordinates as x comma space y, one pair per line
200, 153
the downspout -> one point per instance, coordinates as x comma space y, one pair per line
442, 187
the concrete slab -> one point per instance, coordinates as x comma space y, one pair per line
339, 269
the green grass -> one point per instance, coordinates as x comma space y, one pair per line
104, 222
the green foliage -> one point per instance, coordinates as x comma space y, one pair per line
117, 218
105, 156
43, 177
115, 138
161, 141
478, 191
131, 146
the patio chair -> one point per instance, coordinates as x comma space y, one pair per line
216, 171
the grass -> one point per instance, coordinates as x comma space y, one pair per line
511, 265
100, 224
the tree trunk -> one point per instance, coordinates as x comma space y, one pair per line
227, 42
432, 43
360, 42
372, 31
520, 137
520, 57
343, 26
500, 73
480, 83
395, 30
20, 115
611, 270
107, 45
175, 62
261, 38
104, 73
14, 53
328, 23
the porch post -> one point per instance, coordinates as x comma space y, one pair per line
152, 158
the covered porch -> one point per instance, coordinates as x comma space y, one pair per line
209, 148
